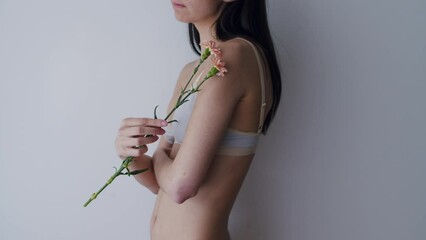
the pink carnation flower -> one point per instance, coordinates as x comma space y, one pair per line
220, 66
211, 45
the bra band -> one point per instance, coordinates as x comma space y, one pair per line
233, 151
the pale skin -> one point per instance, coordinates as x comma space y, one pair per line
195, 187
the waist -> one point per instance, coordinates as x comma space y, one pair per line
193, 219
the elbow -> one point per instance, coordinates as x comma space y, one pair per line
182, 192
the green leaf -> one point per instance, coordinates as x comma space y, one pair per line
138, 171
155, 112
184, 101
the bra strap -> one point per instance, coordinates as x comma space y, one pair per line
262, 83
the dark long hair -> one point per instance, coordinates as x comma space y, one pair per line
247, 19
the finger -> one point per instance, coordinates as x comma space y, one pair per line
143, 122
136, 152
130, 142
141, 131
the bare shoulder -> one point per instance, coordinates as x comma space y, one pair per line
184, 73
241, 61
240, 55
188, 68
237, 51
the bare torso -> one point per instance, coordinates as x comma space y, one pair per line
204, 216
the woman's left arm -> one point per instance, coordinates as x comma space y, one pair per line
180, 178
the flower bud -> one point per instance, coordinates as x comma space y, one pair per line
213, 71
205, 54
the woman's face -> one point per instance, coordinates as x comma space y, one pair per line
197, 11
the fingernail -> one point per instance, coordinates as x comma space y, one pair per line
164, 123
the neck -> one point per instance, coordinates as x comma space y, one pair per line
207, 27
207, 31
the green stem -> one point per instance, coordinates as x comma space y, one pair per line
201, 83
180, 100
193, 73
125, 164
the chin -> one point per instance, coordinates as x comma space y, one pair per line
182, 19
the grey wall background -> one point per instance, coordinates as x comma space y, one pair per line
345, 159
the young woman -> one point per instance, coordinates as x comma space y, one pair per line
201, 162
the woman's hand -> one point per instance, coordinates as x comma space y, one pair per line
135, 134
132, 139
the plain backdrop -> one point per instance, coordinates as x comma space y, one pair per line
345, 158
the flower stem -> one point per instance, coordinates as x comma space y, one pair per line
125, 164
179, 101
